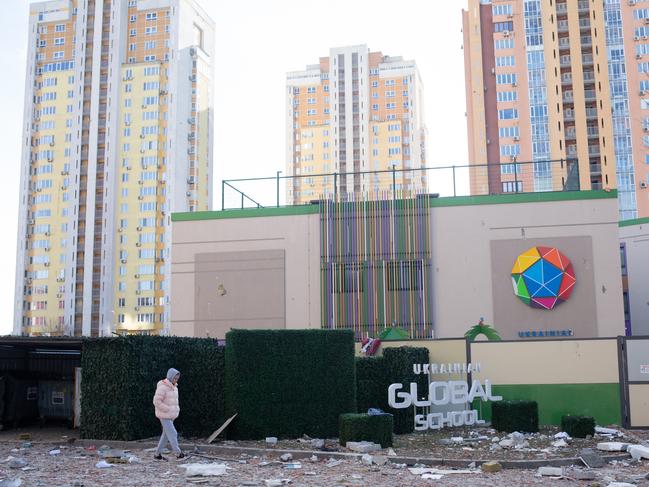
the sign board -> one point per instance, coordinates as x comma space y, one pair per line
644, 369
442, 393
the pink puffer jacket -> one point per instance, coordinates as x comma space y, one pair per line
166, 400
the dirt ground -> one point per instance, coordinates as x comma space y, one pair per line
36, 464
77, 467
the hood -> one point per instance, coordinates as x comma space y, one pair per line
171, 373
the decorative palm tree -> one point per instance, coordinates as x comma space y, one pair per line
482, 329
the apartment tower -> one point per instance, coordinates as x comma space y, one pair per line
560, 81
353, 113
117, 135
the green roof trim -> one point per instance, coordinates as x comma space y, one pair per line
496, 199
245, 213
636, 221
506, 198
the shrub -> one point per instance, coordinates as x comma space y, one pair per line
398, 369
511, 416
371, 384
288, 383
578, 426
119, 377
363, 427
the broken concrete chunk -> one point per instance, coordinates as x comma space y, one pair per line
271, 440
506, 443
584, 475
431, 476
17, 463
612, 446
366, 459
638, 451
276, 482
286, 457
607, 431
561, 435
11, 483
391, 452
491, 467
457, 440
550, 471
591, 458
379, 460
620, 484
362, 446
204, 469
317, 443
560, 443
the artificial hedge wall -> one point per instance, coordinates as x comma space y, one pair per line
509, 416
363, 427
288, 383
578, 426
119, 377
375, 374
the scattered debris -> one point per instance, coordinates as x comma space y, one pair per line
286, 457
560, 443
293, 465
103, 464
491, 467
277, 482
317, 443
591, 458
333, 463
638, 451
612, 446
220, 430
562, 435
204, 469
271, 440
11, 482
584, 475
391, 452
550, 471
55, 452
607, 431
17, 463
379, 460
366, 459
362, 446
314, 458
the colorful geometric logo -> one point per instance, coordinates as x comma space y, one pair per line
543, 277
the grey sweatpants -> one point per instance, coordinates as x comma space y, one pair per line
169, 434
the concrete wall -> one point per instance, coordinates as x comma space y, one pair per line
579, 377
635, 237
468, 284
229, 273
475, 242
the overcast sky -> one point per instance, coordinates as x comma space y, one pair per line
257, 42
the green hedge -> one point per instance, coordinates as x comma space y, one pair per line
371, 383
288, 383
363, 427
119, 377
511, 416
398, 369
578, 426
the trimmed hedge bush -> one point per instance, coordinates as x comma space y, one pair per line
511, 416
371, 384
119, 377
398, 369
363, 427
578, 426
288, 383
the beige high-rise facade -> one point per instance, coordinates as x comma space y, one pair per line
563, 85
117, 135
352, 114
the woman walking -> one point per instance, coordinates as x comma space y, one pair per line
167, 409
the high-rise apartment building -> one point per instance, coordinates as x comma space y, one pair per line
561, 80
353, 113
117, 135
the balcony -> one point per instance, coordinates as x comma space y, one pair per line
587, 59
596, 169
593, 150
591, 113
584, 24
562, 25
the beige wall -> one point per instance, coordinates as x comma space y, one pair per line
462, 276
547, 362
461, 239
639, 405
298, 238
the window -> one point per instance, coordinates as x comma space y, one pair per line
512, 186
149, 57
506, 96
510, 150
508, 132
375, 84
404, 275
59, 28
59, 41
375, 106
133, 32
151, 30
505, 61
505, 9
503, 26
58, 55
504, 43
641, 13
149, 45
133, 18
390, 106
506, 78
509, 169
508, 114
152, 16
389, 82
